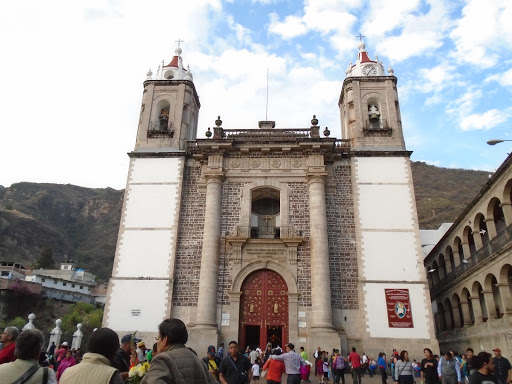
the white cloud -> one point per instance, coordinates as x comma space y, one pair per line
291, 27
465, 104
504, 78
484, 121
421, 33
328, 17
483, 32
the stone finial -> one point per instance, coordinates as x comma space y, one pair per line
208, 133
149, 74
77, 337
218, 122
391, 71
30, 324
314, 121
327, 132
58, 322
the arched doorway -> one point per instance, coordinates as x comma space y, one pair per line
264, 310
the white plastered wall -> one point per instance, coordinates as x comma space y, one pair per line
142, 296
146, 247
376, 315
389, 243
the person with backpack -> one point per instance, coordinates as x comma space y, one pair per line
339, 368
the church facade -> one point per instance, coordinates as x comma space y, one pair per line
272, 235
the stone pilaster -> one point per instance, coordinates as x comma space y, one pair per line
208, 276
321, 313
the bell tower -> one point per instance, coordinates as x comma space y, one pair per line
391, 284
146, 245
369, 108
170, 107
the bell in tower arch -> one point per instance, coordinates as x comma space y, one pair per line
373, 112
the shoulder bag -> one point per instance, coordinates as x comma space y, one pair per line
242, 376
29, 373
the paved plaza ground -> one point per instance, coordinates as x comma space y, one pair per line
376, 379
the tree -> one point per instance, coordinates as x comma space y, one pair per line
87, 314
46, 259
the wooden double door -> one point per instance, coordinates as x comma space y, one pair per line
264, 310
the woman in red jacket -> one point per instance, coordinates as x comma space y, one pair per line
275, 369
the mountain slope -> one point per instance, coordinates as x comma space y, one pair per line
82, 223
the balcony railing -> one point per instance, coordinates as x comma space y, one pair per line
381, 124
503, 238
268, 232
160, 129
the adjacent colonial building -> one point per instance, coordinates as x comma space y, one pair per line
272, 235
470, 271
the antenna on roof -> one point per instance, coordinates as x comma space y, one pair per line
266, 106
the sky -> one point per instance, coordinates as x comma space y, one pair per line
72, 73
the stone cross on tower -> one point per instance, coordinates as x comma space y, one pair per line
179, 41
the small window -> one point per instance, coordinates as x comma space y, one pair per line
5, 273
43, 279
64, 284
81, 287
72, 285
55, 281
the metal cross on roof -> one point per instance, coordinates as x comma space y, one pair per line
360, 36
182, 41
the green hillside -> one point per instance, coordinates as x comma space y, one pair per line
82, 223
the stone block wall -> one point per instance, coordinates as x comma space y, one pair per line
230, 217
342, 238
299, 217
190, 237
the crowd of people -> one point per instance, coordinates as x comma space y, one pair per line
108, 361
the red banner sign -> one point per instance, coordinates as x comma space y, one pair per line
398, 305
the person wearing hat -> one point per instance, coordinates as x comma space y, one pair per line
212, 361
141, 352
502, 368
123, 355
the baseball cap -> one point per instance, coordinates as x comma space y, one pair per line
128, 339
65, 344
141, 344
497, 350
211, 350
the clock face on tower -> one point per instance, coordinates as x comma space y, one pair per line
369, 70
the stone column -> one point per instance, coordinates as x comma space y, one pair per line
507, 212
466, 250
456, 317
506, 298
466, 316
477, 237
477, 309
456, 258
491, 228
321, 312
448, 318
208, 275
490, 304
